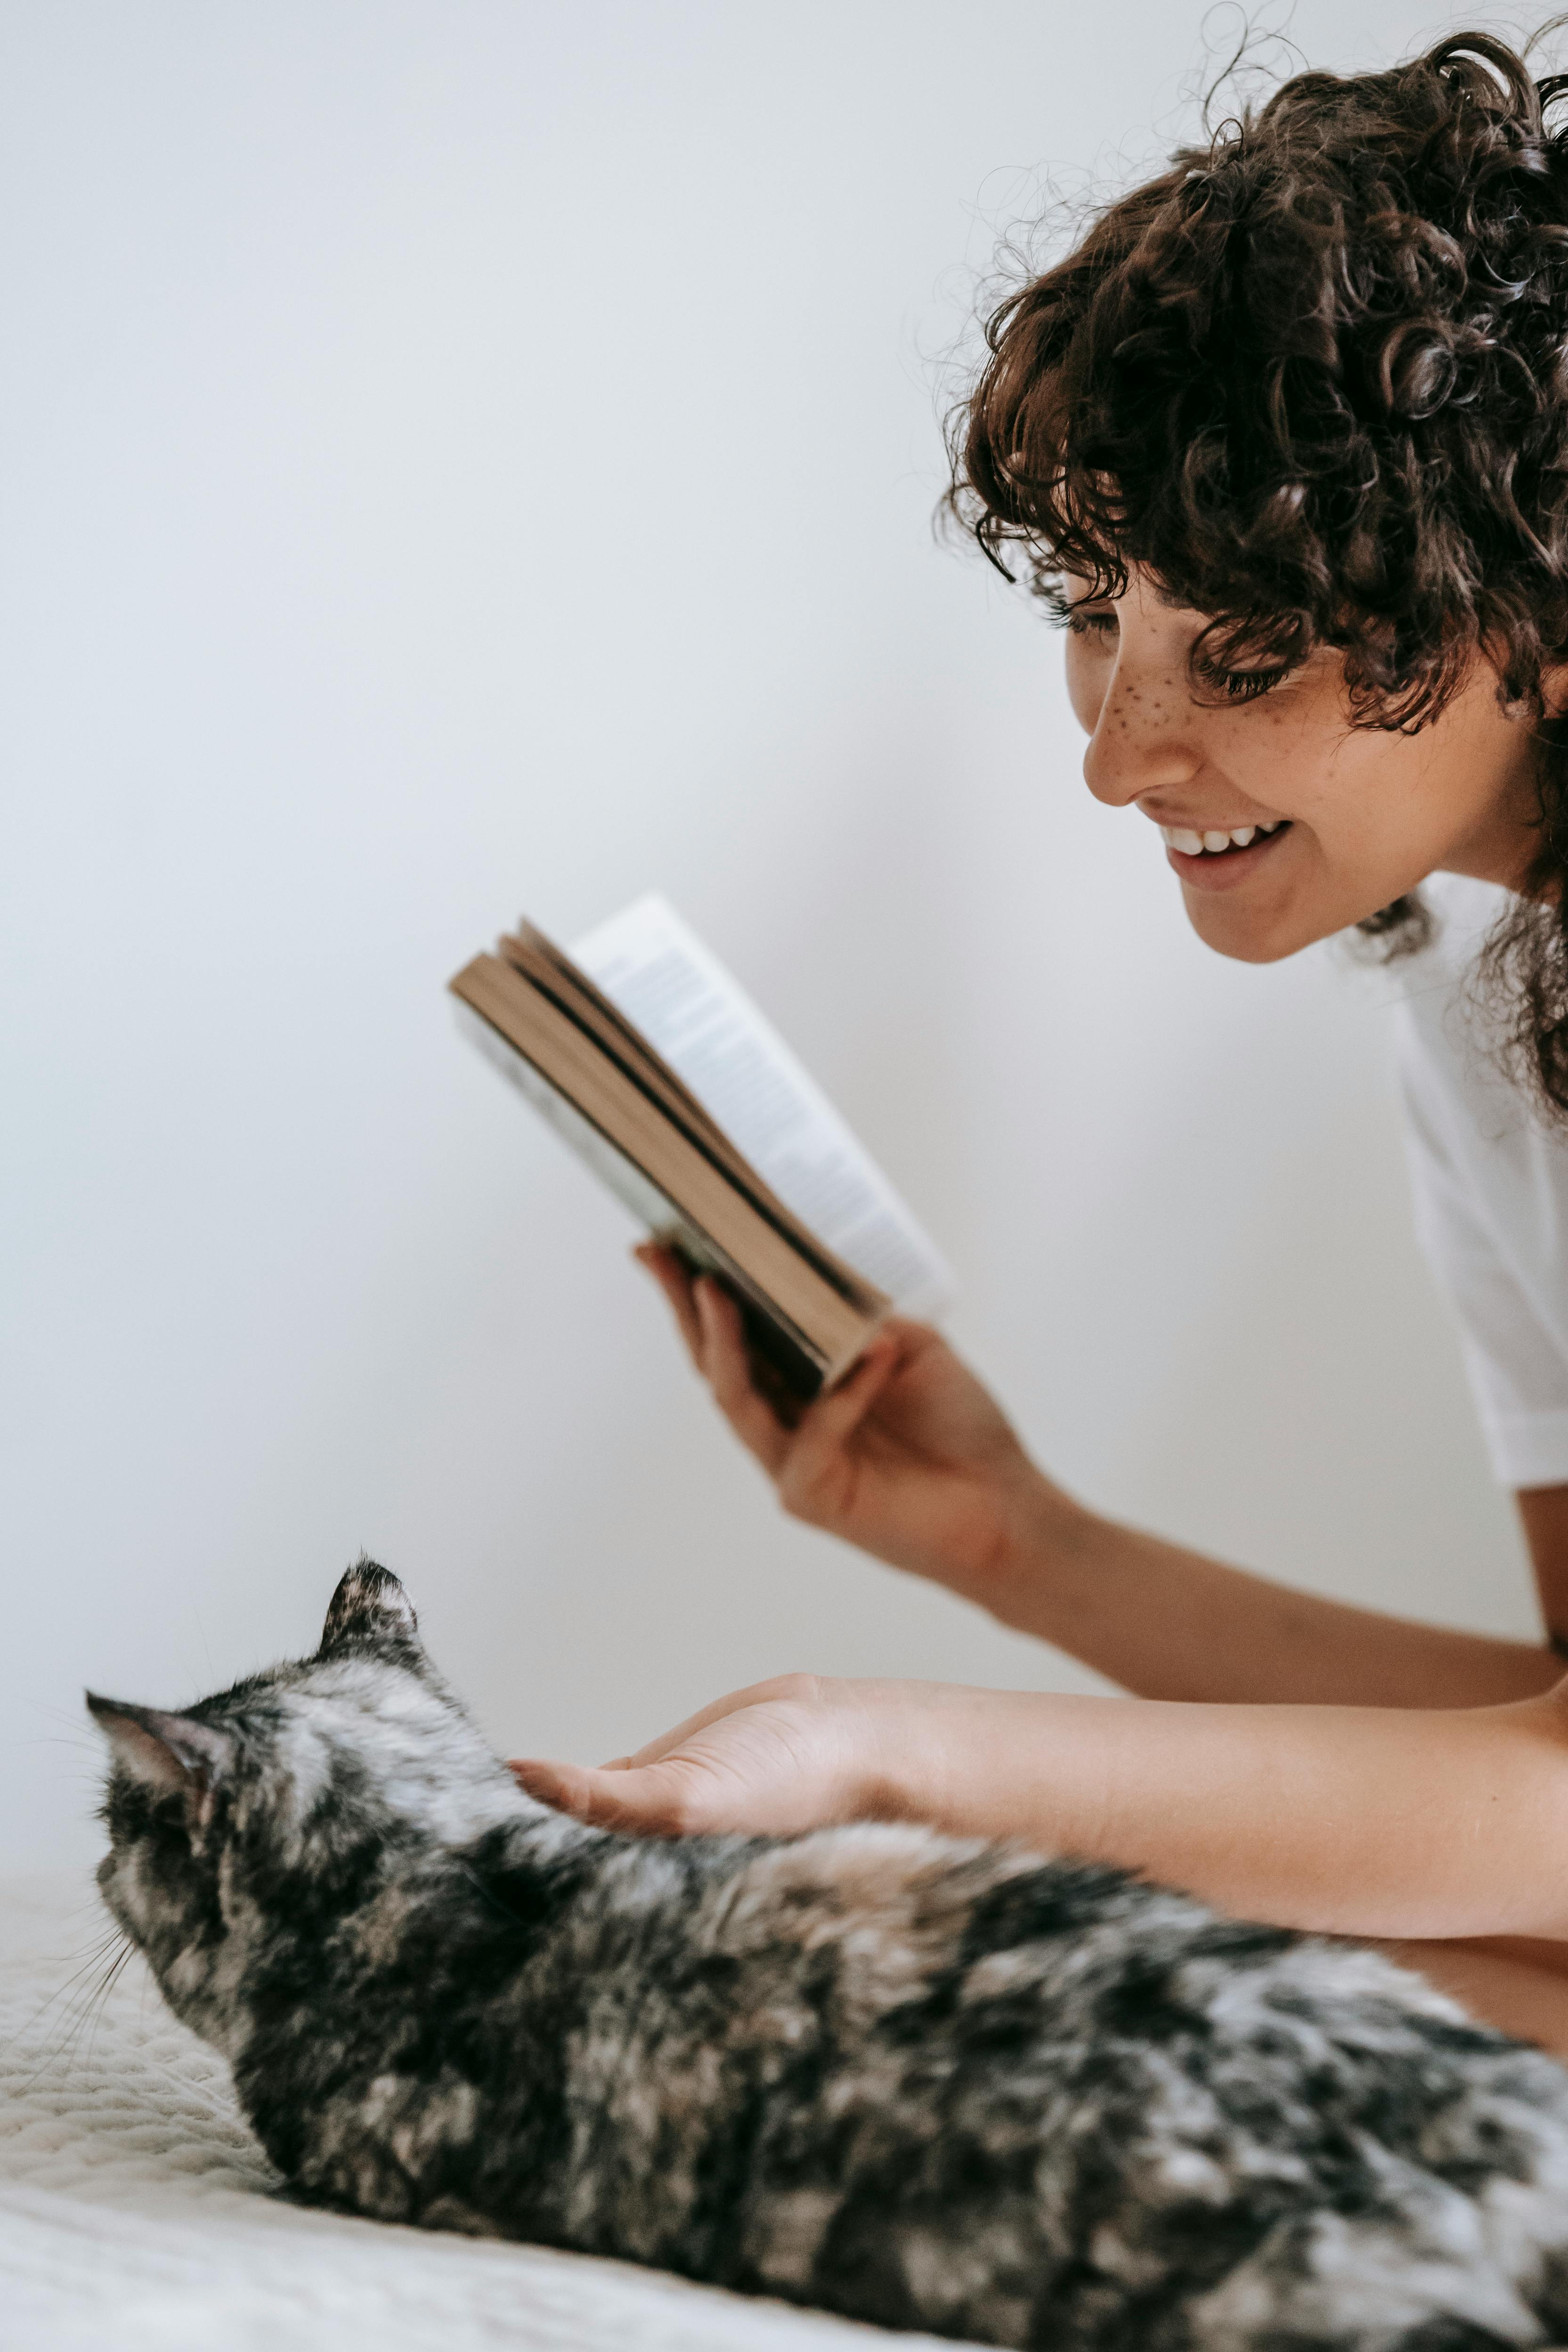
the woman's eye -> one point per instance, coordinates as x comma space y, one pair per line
1240, 685
1246, 685
1082, 619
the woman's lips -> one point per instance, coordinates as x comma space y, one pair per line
1231, 867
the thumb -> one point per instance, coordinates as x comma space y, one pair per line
833, 1419
672, 1798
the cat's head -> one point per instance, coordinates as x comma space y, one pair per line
262, 1816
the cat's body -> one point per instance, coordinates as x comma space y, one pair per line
938, 2085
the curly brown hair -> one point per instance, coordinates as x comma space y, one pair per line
1316, 378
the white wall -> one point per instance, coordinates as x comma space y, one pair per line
471, 457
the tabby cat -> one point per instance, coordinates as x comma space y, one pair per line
932, 2082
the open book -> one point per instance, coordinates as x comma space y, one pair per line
643, 1052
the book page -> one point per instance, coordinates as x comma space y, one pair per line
660, 975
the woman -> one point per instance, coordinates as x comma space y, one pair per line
1285, 441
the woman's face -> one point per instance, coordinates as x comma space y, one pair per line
1336, 820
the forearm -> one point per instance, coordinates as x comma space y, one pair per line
1171, 1624
1362, 1821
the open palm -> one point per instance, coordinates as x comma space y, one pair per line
784, 1756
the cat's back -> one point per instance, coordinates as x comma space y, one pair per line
931, 2082
877, 2061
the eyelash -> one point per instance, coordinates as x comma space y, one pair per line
1237, 685
1242, 685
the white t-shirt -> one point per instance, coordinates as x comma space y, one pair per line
1491, 1197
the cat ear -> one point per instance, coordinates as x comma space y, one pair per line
166, 1752
370, 1606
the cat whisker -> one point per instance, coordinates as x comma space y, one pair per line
112, 1975
92, 1959
83, 2003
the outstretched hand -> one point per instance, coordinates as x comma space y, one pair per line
784, 1756
908, 1458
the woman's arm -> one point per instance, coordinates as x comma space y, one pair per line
1362, 1821
912, 1461
1174, 1624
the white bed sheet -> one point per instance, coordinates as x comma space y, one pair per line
137, 2213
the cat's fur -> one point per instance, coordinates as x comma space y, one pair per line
940, 2084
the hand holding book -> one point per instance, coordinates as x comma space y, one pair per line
790, 1263
910, 1458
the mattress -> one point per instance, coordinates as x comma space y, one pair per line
138, 2214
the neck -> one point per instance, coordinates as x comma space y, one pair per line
1505, 843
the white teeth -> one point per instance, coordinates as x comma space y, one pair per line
1191, 844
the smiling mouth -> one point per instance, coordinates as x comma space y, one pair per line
1188, 843
1228, 864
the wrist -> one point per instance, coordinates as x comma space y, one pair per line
893, 1743
1042, 1530
942, 1752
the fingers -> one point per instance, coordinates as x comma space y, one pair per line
710, 1324
724, 1364
676, 1284
792, 1686
835, 1418
668, 1800
827, 1429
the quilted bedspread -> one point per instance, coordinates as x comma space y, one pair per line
137, 2213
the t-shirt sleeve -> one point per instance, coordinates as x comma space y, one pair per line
1518, 1370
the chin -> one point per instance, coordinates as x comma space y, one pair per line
1249, 935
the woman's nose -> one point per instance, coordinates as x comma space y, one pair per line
1142, 737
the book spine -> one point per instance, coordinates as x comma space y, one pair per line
695, 1208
